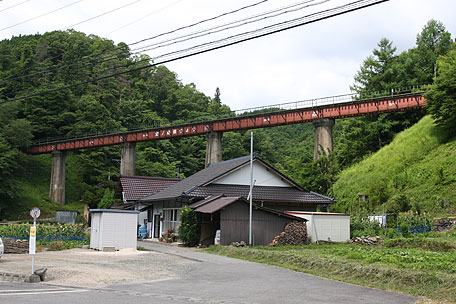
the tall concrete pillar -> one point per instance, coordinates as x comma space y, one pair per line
323, 137
57, 185
127, 161
213, 148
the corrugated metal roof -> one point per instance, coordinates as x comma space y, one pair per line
214, 204
136, 187
262, 193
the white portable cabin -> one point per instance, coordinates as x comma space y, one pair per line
325, 226
113, 228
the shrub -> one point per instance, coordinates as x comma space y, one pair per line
189, 228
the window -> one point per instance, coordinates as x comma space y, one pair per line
171, 219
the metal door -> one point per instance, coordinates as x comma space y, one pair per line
156, 225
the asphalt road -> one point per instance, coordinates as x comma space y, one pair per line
213, 279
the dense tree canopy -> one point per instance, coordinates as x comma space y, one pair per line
53, 62
442, 97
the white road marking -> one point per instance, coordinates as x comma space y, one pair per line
42, 292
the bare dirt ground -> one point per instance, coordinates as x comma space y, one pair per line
94, 269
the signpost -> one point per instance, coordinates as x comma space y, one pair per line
35, 213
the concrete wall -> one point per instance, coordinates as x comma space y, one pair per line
213, 148
57, 183
127, 162
323, 137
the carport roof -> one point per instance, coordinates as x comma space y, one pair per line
215, 203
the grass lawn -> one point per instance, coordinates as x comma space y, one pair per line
401, 267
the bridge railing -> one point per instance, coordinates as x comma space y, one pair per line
289, 106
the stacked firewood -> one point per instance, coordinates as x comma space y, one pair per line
15, 246
444, 224
295, 233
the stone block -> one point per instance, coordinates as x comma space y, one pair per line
109, 249
34, 278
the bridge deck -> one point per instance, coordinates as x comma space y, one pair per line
396, 103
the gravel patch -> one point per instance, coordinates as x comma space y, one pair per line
94, 269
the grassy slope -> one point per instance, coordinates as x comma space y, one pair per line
34, 185
418, 167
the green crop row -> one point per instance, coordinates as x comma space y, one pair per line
63, 231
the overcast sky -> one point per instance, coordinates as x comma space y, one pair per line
315, 60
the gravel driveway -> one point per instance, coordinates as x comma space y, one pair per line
94, 269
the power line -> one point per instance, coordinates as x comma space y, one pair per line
224, 27
199, 22
14, 5
144, 17
102, 14
221, 43
45, 14
121, 48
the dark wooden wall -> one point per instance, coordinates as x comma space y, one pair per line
234, 224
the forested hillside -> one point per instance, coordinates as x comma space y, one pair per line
55, 61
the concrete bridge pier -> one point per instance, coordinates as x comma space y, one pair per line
127, 161
213, 148
323, 137
57, 185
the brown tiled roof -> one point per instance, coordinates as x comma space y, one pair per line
136, 187
198, 179
199, 185
262, 193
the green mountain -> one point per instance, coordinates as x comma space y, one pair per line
416, 171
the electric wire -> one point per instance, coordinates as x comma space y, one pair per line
45, 14
199, 22
144, 17
175, 30
221, 43
142, 49
102, 14
2, 10
221, 28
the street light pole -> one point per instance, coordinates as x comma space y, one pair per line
251, 188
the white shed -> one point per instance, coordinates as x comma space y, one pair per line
324, 226
113, 228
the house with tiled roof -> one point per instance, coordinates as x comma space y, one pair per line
225, 183
131, 189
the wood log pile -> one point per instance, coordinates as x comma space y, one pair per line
366, 240
295, 233
444, 224
15, 246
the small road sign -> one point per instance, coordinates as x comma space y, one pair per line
35, 212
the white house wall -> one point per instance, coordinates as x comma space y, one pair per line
262, 176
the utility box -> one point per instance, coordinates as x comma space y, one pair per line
113, 228
66, 216
325, 226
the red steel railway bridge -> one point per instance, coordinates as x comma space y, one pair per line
322, 112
